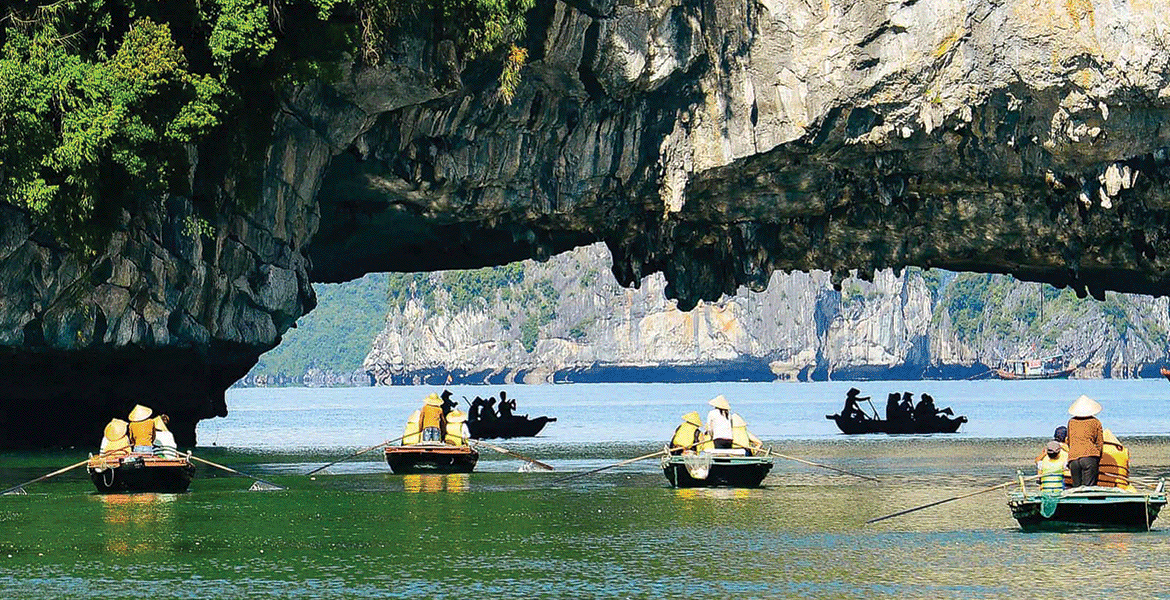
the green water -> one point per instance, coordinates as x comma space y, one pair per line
497, 533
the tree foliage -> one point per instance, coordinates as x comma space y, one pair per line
101, 100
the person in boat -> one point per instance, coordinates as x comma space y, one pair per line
115, 442
431, 419
906, 406
141, 429
688, 435
719, 422
448, 403
476, 407
926, 411
1060, 436
488, 412
164, 440
1050, 469
412, 433
506, 406
457, 432
893, 410
1114, 468
852, 410
742, 438
1085, 441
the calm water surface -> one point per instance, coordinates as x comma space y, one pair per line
357, 530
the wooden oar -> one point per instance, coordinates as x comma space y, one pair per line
811, 463
615, 465
944, 501
44, 477
231, 470
544, 466
357, 454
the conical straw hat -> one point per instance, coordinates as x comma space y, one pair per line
1108, 437
160, 424
433, 400
140, 413
1084, 407
115, 429
737, 421
693, 418
456, 416
719, 402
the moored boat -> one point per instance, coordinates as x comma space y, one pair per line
1165, 372
727, 468
1052, 367
1097, 508
507, 427
140, 473
431, 458
941, 424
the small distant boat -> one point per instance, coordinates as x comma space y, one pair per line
140, 473
727, 468
941, 424
1165, 372
1052, 367
1097, 508
431, 458
507, 427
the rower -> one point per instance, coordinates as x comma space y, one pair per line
742, 438
448, 403
457, 432
506, 406
852, 410
164, 440
1114, 468
141, 429
688, 435
412, 434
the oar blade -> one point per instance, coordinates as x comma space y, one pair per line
264, 486
16, 492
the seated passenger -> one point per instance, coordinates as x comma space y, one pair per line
412, 433
431, 419
141, 429
1114, 470
742, 438
164, 440
1050, 468
115, 442
457, 432
688, 435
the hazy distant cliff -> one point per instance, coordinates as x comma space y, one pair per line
567, 320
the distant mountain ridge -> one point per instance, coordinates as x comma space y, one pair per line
568, 320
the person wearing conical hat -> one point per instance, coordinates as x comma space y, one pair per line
688, 435
719, 422
1114, 468
141, 429
741, 437
431, 419
164, 440
114, 439
852, 410
457, 431
1086, 440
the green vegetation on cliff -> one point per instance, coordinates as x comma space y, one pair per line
101, 101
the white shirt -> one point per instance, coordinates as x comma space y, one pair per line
718, 425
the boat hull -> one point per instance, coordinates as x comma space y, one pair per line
854, 427
730, 471
141, 473
1094, 508
1165, 372
1061, 374
511, 427
431, 458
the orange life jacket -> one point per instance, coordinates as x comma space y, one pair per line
141, 433
431, 416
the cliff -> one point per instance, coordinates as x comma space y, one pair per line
568, 320
714, 141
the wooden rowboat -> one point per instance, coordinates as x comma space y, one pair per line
1097, 508
507, 427
140, 473
1165, 372
715, 469
431, 458
941, 424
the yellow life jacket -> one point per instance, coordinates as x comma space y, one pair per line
454, 434
685, 436
1051, 472
431, 416
118, 446
141, 433
1114, 467
412, 434
741, 439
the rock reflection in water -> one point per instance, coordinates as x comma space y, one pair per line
434, 482
137, 523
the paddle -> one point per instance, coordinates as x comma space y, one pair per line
544, 466
356, 454
255, 487
12, 490
944, 501
811, 463
615, 465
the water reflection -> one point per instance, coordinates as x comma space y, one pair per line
434, 482
713, 493
137, 523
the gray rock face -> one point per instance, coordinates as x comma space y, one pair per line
581, 326
716, 142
